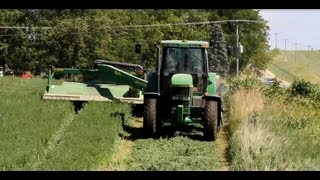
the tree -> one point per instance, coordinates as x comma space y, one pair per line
78, 37
218, 60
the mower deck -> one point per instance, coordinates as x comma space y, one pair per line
80, 91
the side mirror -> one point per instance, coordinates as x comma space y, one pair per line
138, 48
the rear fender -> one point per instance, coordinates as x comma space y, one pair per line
152, 83
212, 85
151, 95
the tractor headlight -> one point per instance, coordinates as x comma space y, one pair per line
175, 98
185, 98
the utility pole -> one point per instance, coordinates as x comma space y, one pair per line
237, 38
237, 48
285, 48
295, 52
276, 39
309, 50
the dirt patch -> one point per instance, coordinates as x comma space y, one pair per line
222, 142
124, 149
138, 123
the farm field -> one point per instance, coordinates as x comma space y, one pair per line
49, 135
190, 71
288, 65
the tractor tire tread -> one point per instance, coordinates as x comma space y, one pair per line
150, 116
211, 120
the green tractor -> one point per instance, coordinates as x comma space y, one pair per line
182, 90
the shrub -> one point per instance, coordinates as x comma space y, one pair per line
300, 87
274, 90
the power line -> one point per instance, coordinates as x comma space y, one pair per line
159, 25
142, 26
10, 35
189, 23
24, 27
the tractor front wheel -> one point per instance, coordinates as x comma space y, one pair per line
211, 120
150, 116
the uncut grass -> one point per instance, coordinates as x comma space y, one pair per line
27, 122
48, 135
273, 135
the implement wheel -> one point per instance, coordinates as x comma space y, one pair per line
150, 116
211, 120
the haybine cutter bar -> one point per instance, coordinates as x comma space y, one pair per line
103, 83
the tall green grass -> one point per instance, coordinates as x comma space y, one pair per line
27, 122
273, 132
40, 134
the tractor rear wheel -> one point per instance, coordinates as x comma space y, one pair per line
211, 120
150, 116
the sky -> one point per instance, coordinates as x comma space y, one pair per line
296, 25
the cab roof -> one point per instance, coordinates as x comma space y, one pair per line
184, 43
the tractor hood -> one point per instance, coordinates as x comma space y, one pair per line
184, 80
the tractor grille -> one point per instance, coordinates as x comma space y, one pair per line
180, 91
180, 96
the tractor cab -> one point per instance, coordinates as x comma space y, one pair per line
183, 75
184, 57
